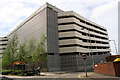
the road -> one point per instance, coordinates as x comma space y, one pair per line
63, 76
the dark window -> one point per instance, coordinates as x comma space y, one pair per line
3, 44
4, 40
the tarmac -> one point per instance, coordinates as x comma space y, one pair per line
62, 76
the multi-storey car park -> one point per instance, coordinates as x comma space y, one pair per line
78, 35
3, 44
68, 36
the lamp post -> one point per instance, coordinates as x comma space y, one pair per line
114, 44
90, 45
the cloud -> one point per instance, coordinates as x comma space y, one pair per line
107, 15
103, 12
15, 11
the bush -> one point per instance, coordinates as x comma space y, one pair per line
17, 72
7, 72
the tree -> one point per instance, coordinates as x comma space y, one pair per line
40, 54
30, 52
22, 53
10, 52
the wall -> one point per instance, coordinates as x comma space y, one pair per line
43, 21
109, 68
52, 40
74, 62
105, 68
33, 28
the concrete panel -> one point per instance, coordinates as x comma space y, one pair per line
28, 29
67, 20
67, 34
52, 31
80, 42
66, 27
3, 42
69, 41
72, 13
77, 34
1, 47
80, 49
52, 40
74, 62
54, 62
67, 49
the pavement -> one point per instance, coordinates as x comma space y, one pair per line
63, 76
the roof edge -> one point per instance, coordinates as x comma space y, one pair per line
46, 5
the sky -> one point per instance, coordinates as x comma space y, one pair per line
103, 12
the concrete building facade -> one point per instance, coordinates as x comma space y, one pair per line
3, 44
68, 36
78, 36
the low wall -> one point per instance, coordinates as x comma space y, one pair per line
110, 68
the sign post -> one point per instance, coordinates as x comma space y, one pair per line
84, 56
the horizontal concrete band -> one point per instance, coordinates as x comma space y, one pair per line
80, 49
72, 13
1, 51
73, 33
67, 20
77, 41
3, 46
79, 28
3, 42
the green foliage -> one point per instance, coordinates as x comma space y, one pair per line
7, 72
40, 52
17, 72
22, 53
10, 52
27, 52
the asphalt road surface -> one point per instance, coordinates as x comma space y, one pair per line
63, 76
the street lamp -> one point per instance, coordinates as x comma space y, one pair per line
90, 45
114, 44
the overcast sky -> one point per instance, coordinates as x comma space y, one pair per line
103, 12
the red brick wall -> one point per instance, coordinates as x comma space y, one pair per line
105, 68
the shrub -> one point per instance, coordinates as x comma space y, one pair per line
7, 72
17, 72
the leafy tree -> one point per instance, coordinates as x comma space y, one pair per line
40, 54
29, 52
10, 52
22, 52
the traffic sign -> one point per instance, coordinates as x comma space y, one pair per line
84, 56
